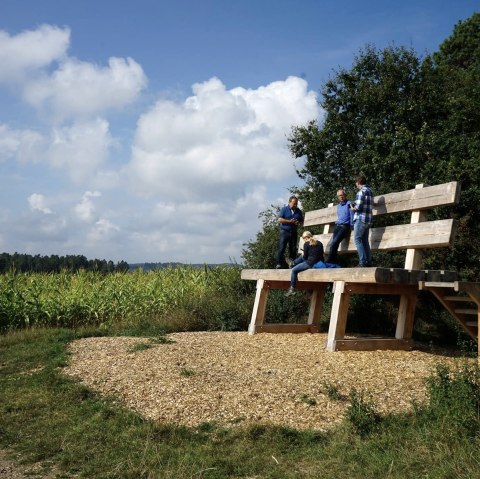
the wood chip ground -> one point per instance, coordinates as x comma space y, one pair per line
234, 378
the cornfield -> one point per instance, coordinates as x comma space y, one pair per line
181, 298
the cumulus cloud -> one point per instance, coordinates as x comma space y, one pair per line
80, 149
82, 89
103, 231
85, 210
62, 87
37, 202
31, 50
22, 145
217, 140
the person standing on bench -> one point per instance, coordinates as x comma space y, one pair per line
312, 253
290, 217
362, 221
343, 225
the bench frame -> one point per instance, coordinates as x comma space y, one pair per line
413, 237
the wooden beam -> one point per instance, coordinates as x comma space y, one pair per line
259, 306
316, 305
414, 256
373, 344
338, 315
410, 200
406, 315
286, 328
327, 275
378, 288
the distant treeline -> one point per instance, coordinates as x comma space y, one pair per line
154, 266
54, 264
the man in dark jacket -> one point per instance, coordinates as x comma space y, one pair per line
290, 217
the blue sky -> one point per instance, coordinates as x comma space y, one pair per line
155, 131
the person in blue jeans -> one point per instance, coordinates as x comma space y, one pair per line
312, 253
343, 225
362, 221
290, 217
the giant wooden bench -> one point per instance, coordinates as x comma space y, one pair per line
405, 282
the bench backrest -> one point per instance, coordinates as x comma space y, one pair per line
414, 236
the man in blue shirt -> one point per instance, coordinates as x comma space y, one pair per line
290, 217
343, 225
362, 221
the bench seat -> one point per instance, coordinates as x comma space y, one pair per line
352, 275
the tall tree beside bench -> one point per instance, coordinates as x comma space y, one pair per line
413, 237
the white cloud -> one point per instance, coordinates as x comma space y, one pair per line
102, 231
80, 149
218, 140
85, 210
22, 145
81, 89
38, 202
31, 50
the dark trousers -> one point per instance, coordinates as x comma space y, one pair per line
287, 238
340, 232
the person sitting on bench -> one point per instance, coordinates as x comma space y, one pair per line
312, 253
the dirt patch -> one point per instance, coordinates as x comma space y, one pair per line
234, 378
11, 467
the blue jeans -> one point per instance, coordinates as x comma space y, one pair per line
360, 232
287, 238
299, 265
340, 232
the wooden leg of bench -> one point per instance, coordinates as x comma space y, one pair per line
406, 315
316, 305
338, 317
258, 313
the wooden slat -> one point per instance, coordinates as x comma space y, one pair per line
426, 285
365, 275
459, 299
286, 328
466, 311
313, 278
380, 288
429, 234
415, 199
373, 344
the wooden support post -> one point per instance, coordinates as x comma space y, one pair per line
316, 305
414, 257
258, 313
406, 315
338, 317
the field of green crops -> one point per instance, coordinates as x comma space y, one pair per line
183, 298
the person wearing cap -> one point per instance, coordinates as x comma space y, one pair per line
290, 217
312, 253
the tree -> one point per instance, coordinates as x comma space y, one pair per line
402, 121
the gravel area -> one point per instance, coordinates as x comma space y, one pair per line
234, 378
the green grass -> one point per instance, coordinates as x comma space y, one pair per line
48, 418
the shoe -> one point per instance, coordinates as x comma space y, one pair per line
279, 266
290, 292
290, 263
